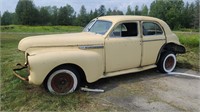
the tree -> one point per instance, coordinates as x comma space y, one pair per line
92, 14
109, 12
82, 18
137, 11
102, 10
158, 9
117, 12
145, 10
114, 12
168, 10
54, 15
196, 15
129, 11
187, 15
66, 15
7, 18
45, 17
174, 13
26, 12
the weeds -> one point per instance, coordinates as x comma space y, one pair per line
189, 39
191, 58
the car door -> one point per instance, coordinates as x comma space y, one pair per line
123, 47
153, 38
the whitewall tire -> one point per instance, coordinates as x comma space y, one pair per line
62, 81
167, 62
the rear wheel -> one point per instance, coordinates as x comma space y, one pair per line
62, 81
167, 62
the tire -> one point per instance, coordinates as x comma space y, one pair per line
167, 62
62, 81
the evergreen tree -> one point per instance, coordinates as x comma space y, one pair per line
129, 11
137, 11
96, 14
82, 18
145, 11
117, 12
109, 12
102, 10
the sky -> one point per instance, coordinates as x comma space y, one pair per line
10, 5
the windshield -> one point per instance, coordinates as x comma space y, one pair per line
98, 26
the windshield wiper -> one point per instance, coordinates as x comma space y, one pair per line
89, 28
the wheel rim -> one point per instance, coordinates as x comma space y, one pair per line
169, 63
62, 82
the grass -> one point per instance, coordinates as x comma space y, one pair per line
189, 39
191, 58
40, 29
17, 95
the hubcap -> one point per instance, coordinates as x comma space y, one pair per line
62, 83
169, 63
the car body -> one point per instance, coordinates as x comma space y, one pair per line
108, 46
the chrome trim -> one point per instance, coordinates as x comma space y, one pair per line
153, 40
91, 47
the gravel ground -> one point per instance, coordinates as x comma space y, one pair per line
149, 91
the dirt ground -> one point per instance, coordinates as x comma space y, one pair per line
148, 91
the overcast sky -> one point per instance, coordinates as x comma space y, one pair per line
10, 5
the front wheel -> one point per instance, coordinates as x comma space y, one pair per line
63, 81
167, 62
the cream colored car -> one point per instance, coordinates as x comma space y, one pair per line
108, 46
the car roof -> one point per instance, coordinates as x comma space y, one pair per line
118, 18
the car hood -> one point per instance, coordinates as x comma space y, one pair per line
56, 40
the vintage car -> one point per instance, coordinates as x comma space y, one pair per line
108, 46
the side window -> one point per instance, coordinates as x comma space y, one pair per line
150, 28
125, 30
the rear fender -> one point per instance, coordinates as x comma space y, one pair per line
176, 48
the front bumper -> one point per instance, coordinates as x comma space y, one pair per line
20, 67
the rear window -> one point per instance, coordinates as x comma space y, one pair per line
150, 28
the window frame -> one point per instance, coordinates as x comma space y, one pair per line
122, 22
157, 23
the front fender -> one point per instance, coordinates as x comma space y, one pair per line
41, 64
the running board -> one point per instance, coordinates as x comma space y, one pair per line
128, 71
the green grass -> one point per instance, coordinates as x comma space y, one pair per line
40, 29
189, 39
191, 58
17, 95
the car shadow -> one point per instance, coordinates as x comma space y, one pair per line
110, 83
